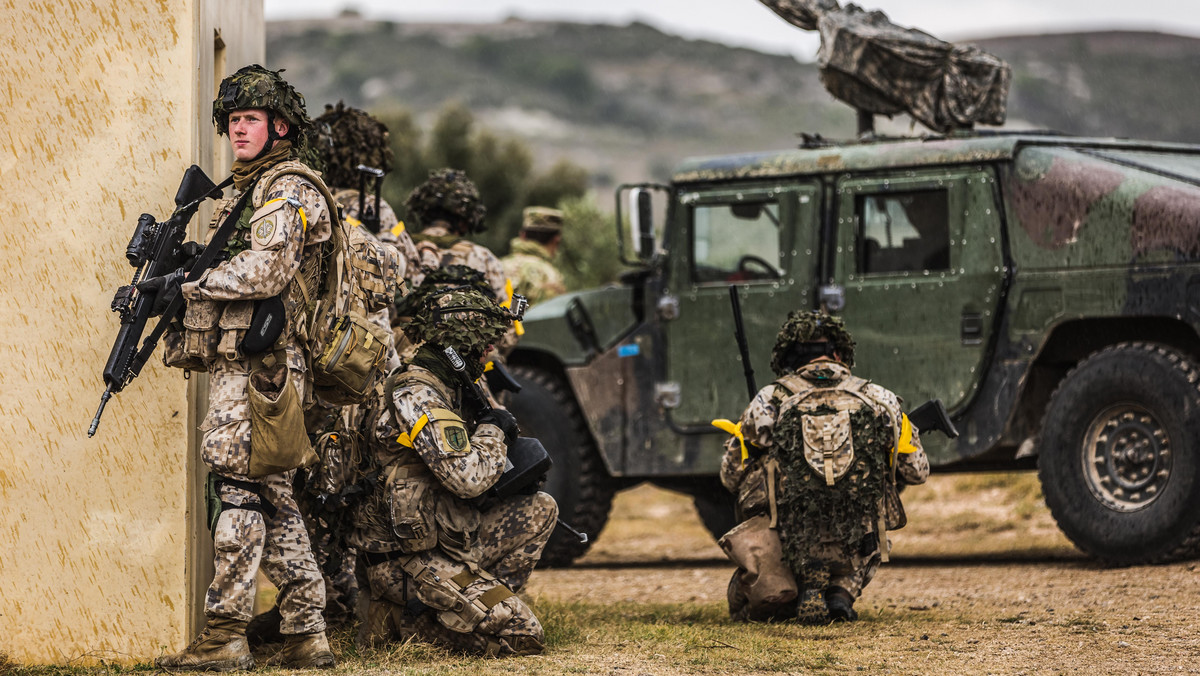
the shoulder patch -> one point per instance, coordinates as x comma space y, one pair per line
452, 430
265, 225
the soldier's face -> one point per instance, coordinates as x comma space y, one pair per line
248, 132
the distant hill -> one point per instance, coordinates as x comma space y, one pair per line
628, 102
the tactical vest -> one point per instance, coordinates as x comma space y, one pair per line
833, 450
421, 513
214, 329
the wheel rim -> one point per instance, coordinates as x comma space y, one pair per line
1127, 457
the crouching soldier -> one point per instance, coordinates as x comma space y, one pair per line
441, 566
815, 472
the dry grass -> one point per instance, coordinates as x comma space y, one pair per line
982, 582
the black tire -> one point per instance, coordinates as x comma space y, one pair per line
578, 480
1119, 459
716, 507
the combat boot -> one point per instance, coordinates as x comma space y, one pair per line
304, 651
841, 605
220, 647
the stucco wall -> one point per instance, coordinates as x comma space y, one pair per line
105, 103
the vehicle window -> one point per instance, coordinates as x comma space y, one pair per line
736, 242
901, 232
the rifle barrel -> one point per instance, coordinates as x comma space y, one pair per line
100, 411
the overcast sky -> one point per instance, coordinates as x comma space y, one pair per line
748, 23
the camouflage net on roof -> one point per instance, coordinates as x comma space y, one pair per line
874, 65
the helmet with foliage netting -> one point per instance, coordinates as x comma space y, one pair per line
348, 137
801, 330
457, 315
447, 195
256, 87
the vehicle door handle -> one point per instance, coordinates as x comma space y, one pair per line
972, 328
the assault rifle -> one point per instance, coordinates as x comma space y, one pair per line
527, 460
156, 249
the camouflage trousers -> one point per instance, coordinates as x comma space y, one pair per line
851, 573
469, 608
246, 540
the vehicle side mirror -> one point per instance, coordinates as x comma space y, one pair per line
637, 246
641, 211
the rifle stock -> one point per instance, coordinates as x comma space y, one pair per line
932, 416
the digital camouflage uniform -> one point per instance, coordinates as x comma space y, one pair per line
275, 250
346, 138
534, 275
822, 550
530, 264
243, 537
441, 568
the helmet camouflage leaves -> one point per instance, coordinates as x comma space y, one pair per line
809, 326
348, 137
448, 195
457, 315
256, 87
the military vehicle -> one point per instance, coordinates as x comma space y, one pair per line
1045, 287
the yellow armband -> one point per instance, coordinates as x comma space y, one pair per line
295, 204
353, 222
734, 429
406, 438
905, 443
398, 229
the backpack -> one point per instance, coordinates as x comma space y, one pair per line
833, 445
346, 350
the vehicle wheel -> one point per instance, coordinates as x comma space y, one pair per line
1118, 454
717, 509
578, 480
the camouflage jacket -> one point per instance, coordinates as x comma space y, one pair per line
532, 273
288, 223
747, 481
432, 462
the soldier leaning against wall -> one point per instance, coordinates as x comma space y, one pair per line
282, 220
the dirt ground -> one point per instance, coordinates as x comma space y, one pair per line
981, 581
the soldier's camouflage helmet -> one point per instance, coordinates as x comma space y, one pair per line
447, 195
348, 137
804, 327
460, 316
256, 87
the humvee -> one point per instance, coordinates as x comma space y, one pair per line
1046, 288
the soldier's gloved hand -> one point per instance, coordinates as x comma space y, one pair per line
164, 287
190, 253
501, 418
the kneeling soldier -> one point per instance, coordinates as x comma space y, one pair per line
442, 566
815, 475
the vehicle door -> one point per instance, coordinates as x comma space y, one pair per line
761, 238
920, 259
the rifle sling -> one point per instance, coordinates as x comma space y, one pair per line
204, 262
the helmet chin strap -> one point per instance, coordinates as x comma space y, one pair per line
272, 137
